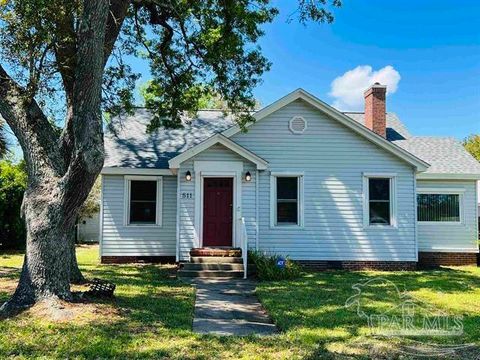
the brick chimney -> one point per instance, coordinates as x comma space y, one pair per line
375, 109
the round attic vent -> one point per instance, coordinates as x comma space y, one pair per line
298, 125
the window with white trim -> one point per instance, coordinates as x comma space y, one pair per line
143, 205
439, 207
287, 201
379, 207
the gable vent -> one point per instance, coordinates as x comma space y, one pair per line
298, 125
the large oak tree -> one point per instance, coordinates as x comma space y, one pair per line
64, 70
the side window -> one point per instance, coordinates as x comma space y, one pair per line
143, 201
287, 202
379, 200
438, 207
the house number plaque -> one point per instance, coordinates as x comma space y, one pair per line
186, 195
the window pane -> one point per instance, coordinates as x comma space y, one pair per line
287, 188
142, 212
380, 212
143, 190
438, 207
379, 189
143, 202
287, 212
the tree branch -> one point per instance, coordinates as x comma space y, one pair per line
116, 16
31, 127
88, 152
65, 50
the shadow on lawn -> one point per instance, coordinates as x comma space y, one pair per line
147, 293
313, 307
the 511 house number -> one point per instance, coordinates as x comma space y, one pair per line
186, 195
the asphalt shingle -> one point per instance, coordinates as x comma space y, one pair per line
446, 155
130, 146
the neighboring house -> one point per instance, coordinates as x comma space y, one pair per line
324, 187
88, 228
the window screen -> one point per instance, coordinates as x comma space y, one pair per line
379, 201
143, 202
287, 200
438, 207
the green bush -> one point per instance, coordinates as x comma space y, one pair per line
267, 269
13, 181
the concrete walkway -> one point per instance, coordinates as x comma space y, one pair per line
229, 307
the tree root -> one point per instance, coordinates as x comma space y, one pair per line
12, 308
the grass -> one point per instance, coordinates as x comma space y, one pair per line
152, 314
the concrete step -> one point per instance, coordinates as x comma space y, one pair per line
216, 251
210, 273
216, 259
212, 266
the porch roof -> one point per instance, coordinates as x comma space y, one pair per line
218, 139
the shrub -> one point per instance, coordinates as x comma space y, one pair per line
13, 180
267, 269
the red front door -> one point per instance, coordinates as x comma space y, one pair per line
217, 211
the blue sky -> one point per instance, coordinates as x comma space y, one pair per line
432, 46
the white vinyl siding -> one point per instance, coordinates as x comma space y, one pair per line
450, 237
121, 240
333, 160
187, 235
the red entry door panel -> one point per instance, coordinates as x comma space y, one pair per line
217, 211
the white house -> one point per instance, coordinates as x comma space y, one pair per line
326, 188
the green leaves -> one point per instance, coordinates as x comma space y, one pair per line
194, 49
13, 181
472, 145
267, 269
197, 49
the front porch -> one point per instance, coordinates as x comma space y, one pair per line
214, 262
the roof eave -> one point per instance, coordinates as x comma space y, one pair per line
117, 170
448, 176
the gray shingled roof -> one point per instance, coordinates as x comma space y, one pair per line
444, 154
130, 146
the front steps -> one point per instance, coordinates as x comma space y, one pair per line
213, 263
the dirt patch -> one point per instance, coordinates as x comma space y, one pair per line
8, 271
8, 285
57, 311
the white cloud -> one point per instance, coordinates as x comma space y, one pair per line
348, 89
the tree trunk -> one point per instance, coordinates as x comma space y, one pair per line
58, 184
46, 268
76, 276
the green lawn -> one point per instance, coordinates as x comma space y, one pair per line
152, 314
